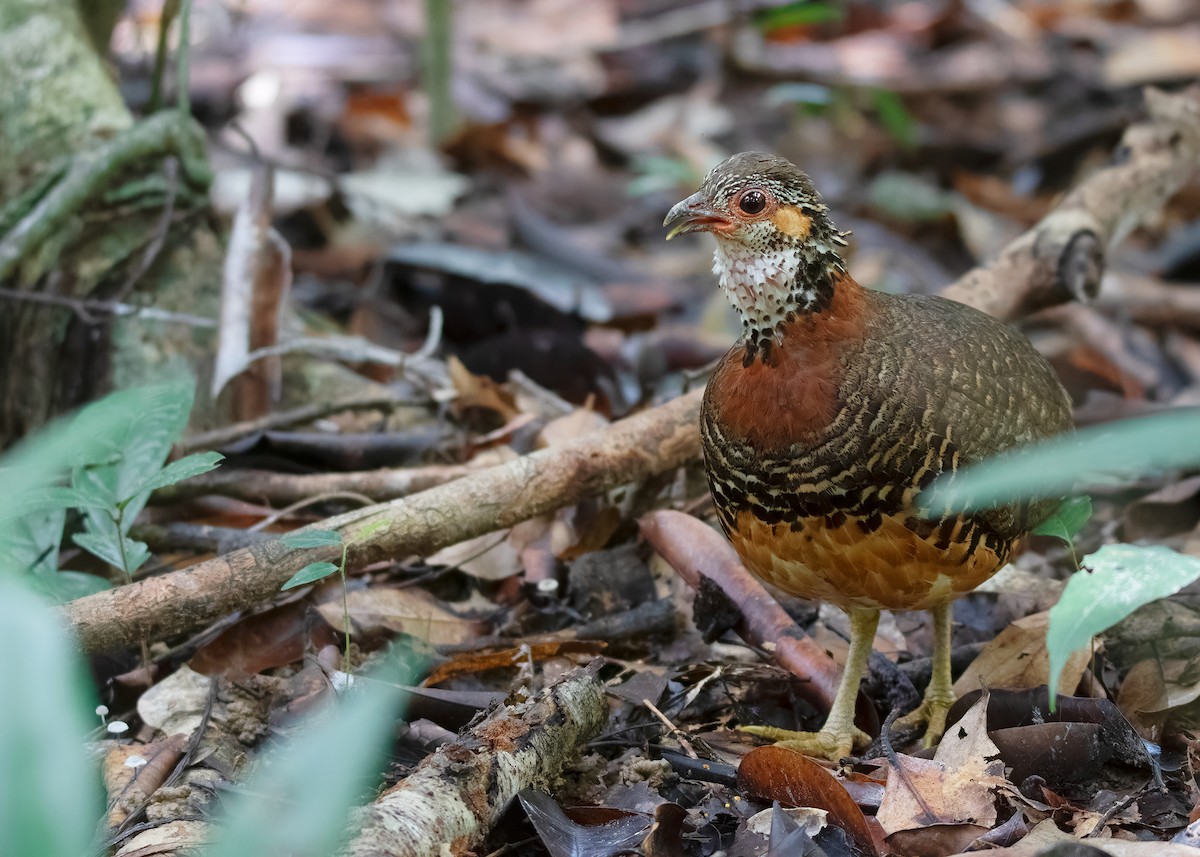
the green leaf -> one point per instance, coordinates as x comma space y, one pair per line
177, 471
49, 790
298, 803
1116, 580
150, 420
894, 116
1067, 519
66, 586
312, 539
106, 547
798, 14
1092, 456
29, 469
31, 546
311, 573
49, 498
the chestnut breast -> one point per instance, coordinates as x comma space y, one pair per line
839, 426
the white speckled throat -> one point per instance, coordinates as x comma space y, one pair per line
770, 287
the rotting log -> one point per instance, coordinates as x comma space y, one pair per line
456, 794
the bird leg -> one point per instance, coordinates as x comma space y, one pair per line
839, 736
939, 696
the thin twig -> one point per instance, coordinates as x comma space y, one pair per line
671, 728
84, 307
885, 740
309, 501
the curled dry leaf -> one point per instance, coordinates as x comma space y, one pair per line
476, 662
1143, 698
1018, 659
1065, 746
793, 779
602, 831
127, 786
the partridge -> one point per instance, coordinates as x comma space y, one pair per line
836, 408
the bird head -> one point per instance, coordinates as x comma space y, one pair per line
755, 199
777, 252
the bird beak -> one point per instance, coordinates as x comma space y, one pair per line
695, 214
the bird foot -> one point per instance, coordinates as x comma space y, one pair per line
834, 742
931, 714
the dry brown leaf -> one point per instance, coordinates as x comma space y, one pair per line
1143, 698
1148, 56
1017, 659
129, 786
478, 391
272, 639
953, 788
409, 611
491, 556
579, 423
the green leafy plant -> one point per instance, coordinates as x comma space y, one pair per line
49, 792
51, 796
314, 571
1115, 581
109, 459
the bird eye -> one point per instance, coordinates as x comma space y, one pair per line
752, 202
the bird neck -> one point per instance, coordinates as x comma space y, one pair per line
770, 288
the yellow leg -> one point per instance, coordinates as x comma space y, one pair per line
838, 738
939, 696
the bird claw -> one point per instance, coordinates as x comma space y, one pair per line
832, 743
931, 714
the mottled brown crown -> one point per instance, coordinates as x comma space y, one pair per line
778, 255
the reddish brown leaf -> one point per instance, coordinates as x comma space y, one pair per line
475, 662
793, 779
271, 639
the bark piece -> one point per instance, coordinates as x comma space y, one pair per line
447, 805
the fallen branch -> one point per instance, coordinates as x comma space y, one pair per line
281, 489
696, 551
216, 438
1062, 257
450, 802
627, 451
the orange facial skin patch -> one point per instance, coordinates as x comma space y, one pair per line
790, 220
